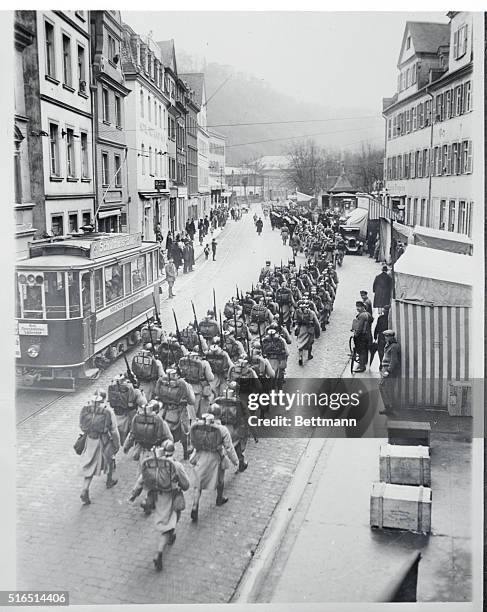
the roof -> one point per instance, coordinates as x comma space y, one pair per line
435, 264
168, 53
427, 36
343, 184
196, 80
437, 233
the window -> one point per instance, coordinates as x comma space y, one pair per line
73, 291
57, 225
421, 115
73, 222
31, 298
444, 159
467, 97
86, 218
139, 279
422, 214
406, 165
85, 172
113, 283
425, 166
462, 217
413, 119
150, 267
54, 149
55, 295
460, 39
408, 42
455, 165
408, 121
427, 112
414, 74
98, 288
451, 216
50, 53
418, 164
81, 69
150, 162
105, 169
149, 109
389, 129
112, 50
415, 211
448, 106
466, 161
442, 220
141, 103
67, 75
70, 157
118, 111
106, 105
142, 154
127, 282
434, 162
458, 101
118, 171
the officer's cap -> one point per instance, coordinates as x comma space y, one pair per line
389, 332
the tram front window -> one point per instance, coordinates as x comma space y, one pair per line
98, 289
73, 288
30, 293
113, 283
55, 295
139, 279
86, 293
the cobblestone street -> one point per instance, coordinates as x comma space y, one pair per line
103, 553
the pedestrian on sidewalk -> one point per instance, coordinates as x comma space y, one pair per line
167, 479
169, 242
361, 336
380, 327
177, 255
171, 272
213, 248
364, 297
206, 251
191, 258
210, 460
201, 235
390, 372
382, 289
186, 258
98, 421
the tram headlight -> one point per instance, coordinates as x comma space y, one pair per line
31, 279
33, 351
22, 279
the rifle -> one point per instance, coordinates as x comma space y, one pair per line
197, 328
150, 335
156, 312
178, 333
235, 318
214, 303
221, 330
238, 297
130, 374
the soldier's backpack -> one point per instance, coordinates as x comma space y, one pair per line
228, 310
206, 437
159, 474
230, 412
144, 366
145, 335
283, 296
94, 420
247, 306
209, 329
190, 369
144, 429
258, 314
119, 396
189, 338
170, 352
217, 363
273, 348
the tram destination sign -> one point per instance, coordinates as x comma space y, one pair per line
32, 329
114, 244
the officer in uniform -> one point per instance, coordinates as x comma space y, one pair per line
220, 363
197, 372
307, 329
175, 395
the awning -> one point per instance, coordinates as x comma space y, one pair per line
109, 213
443, 240
343, 195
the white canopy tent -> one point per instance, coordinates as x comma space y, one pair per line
443, 240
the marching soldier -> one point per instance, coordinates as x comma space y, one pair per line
260, 364
320, 308
220, 363
260, 317
189, 338
175, 395
124, 398
247, 303
147, 430
232, 346
208, 327
197, 372
148, 368
275, 350
98, 422
286, 303
241, 370
212, 454
166, 480
265, 272
234, 418
171, 351
307, 329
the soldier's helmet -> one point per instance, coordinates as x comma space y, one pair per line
172, 374
271, 331
196, 350
190, 326
209, 313
215, 411
154, 405
208, 418
168, 447
256, 345
148, 346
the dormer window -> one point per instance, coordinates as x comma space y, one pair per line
408, 43
460, 38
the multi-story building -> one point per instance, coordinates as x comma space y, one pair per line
181, 152
28, 174
63, 47
146, 116
217, 167
192, 137
109, 93
429, 127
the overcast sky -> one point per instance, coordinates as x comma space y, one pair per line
343, 59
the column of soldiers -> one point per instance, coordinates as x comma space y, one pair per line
189, 386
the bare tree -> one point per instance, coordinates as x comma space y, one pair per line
366, 166
307, 167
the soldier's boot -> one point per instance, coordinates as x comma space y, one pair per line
171, 537
158, 562
184, 444
85, 497
310, 356
220, 500
242, 464
194, 514
300, 361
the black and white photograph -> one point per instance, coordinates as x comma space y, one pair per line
247, 287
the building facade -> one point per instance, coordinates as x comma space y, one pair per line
217, 167
109, 95
63, 47
429, 127
146, 116
28, 194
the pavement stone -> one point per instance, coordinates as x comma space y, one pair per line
104, 552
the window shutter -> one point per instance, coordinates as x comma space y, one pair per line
449, 159
468, 169
413, 164
455, 44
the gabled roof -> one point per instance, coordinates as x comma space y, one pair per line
343, 184
426, 36
196, 80
168, 54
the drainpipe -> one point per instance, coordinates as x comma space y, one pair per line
430, 205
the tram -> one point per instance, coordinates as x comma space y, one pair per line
80, 298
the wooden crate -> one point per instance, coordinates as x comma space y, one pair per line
459, 398
400, 507
407, 465
409, 432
